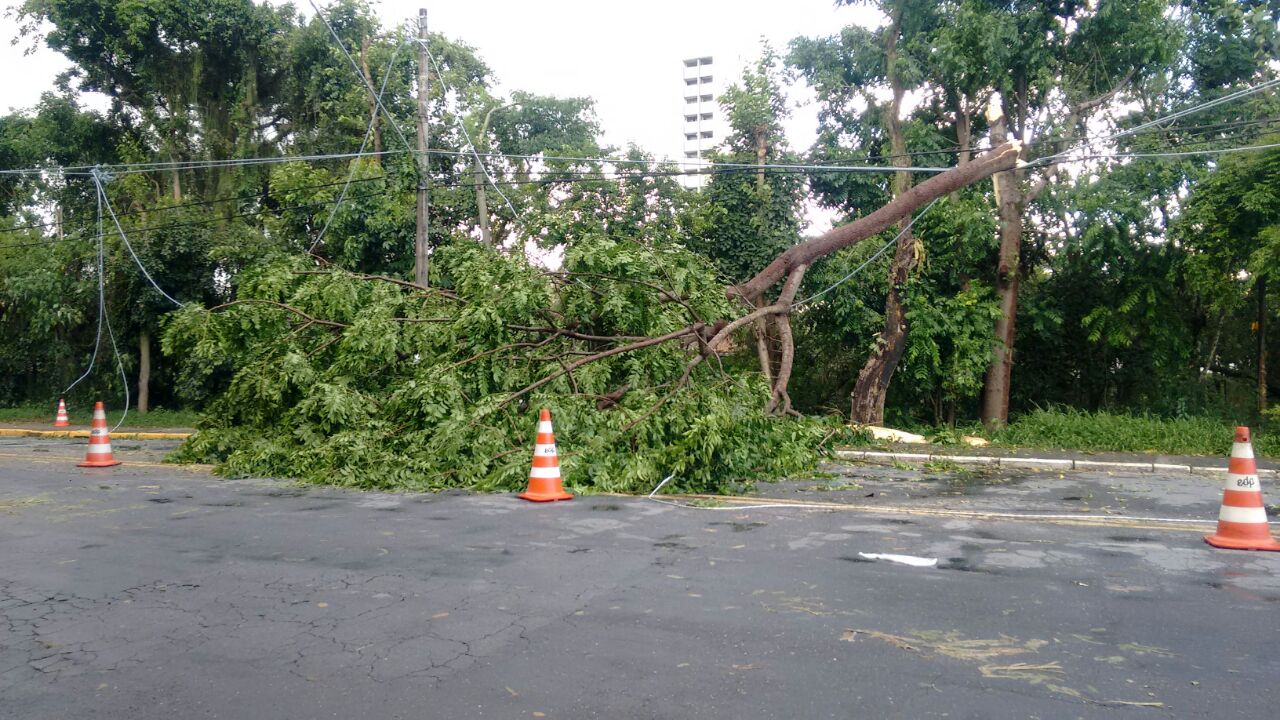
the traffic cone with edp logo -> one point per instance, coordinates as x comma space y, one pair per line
99, 454
1242, 522
544, 477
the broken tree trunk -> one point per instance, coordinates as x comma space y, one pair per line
1009, 206
1004, 157
790, 264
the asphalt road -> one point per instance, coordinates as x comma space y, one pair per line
148, 591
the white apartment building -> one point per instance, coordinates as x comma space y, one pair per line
703, 124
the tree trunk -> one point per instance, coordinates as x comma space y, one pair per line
144, 372
374, 116
1261, 290
176, 184
869, 392
762, 153
867, 405
1003, 157
964, 130
1009, 201
482, 202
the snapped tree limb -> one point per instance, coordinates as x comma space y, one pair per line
1004, 157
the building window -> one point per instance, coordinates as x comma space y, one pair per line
692, 136
703, 61
705, 79
691, 81
706, 116
706, 133
704, 98
691, 99
691, 154
691, 118
692, 62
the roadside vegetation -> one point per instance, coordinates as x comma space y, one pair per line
1069, 429
1065, 428
1118, 264
80, 417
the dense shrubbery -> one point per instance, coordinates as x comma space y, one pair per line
1067, 428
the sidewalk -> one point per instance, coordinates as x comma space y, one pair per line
1049, 459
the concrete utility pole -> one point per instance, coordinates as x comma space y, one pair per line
421, 258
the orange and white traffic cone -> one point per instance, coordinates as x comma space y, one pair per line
99, 454
62, 420
544, 477
1242, 522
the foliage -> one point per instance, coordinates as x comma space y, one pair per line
375, 384
749, 217
1137, 274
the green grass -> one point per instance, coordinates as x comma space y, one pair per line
1068, 429
81, 417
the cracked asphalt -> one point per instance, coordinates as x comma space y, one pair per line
152, 591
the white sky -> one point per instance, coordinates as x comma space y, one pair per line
625, 55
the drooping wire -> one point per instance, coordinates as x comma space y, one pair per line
391, 120
368, 133
869, 260
102, 194
124, 379
97, 340
1199, 107
103, 319
467, 136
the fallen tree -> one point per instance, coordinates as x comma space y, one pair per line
378, 382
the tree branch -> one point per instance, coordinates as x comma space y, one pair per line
780, 399
998, 159
649, 342
282, 306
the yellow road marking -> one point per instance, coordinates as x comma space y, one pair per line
127, 435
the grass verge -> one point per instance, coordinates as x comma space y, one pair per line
1069, 429
81, 417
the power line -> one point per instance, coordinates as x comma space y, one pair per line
585, 176
212, 201
97, 180
368, 133
127, 168
1230, 97
203, 223
391, 120
871, 259
1187, 153
467, 136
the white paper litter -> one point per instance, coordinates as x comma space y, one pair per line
911, 560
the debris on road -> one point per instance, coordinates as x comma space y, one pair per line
911, 560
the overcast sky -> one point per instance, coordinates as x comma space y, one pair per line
625, 55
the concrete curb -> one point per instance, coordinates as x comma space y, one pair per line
1040, 463
24, 432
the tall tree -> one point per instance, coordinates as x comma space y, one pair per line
1070, 62
1231, 225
